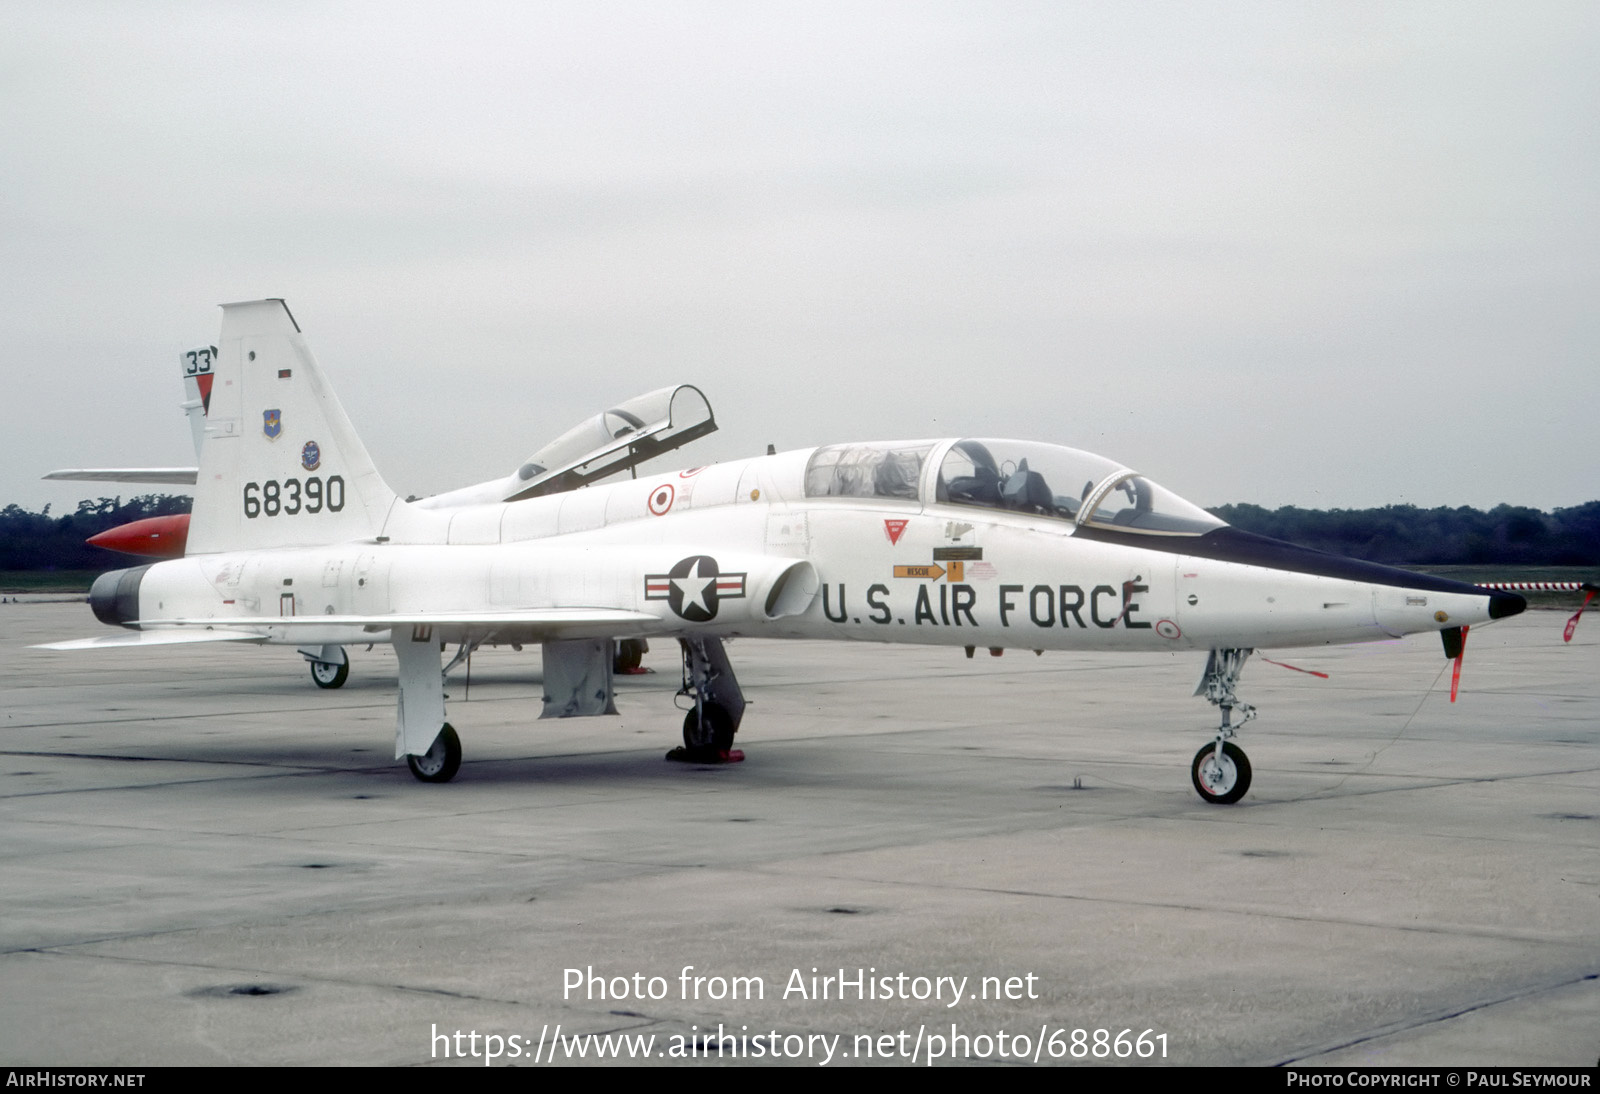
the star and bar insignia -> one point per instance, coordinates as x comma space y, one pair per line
694, 587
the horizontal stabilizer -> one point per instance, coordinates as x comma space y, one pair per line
150, 638
171, 476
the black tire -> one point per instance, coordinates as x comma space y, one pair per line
630, 651
1225, 786
325, 675
717, 735
442, 760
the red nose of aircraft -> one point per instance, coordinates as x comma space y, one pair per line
153, 537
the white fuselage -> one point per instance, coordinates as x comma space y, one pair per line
775, 562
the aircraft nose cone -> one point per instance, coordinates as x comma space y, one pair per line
1502, 604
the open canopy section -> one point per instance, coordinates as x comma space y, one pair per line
1066, 484
615, 440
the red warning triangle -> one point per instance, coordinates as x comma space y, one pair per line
894, 528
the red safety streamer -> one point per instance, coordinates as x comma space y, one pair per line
1572, 624
1308, 672
1455, 675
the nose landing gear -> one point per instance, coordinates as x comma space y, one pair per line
1221, 771
1221, 780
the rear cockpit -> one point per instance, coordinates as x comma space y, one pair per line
1042, 480
870, 470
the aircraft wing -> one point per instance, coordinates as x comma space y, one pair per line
531, 624
197, 364
151, 638
534, 617
172, 476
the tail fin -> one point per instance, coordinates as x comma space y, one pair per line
281, 465
197, 367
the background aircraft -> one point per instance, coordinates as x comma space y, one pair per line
296, 539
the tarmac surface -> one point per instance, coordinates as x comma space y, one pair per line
210, 861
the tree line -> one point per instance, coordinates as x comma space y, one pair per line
1405, 535
39, 541
1397, 535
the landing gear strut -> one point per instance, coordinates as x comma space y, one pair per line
709, 726
1221, 771
421, 735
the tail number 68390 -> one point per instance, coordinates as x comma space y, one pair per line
292, 496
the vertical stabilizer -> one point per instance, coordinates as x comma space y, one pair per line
197, 365
281, 465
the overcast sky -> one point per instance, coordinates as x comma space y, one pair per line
1315, 254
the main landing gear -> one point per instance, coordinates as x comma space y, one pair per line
432, 750
709, 726
1221, 771
630, 652
442, 760
330, 665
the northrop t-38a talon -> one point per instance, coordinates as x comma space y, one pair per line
295, 539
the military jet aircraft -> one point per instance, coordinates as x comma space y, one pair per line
296, 539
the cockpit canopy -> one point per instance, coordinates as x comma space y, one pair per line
615, 440
1043, 480
867, 470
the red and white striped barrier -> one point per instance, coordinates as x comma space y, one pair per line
1587, 588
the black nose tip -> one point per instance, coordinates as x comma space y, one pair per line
1502, 604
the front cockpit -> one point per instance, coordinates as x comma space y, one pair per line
1064, 483
1042, 480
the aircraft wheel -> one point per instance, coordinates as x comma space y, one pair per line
1224, 782
716, 735
630, 651
325, 675
442, 760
